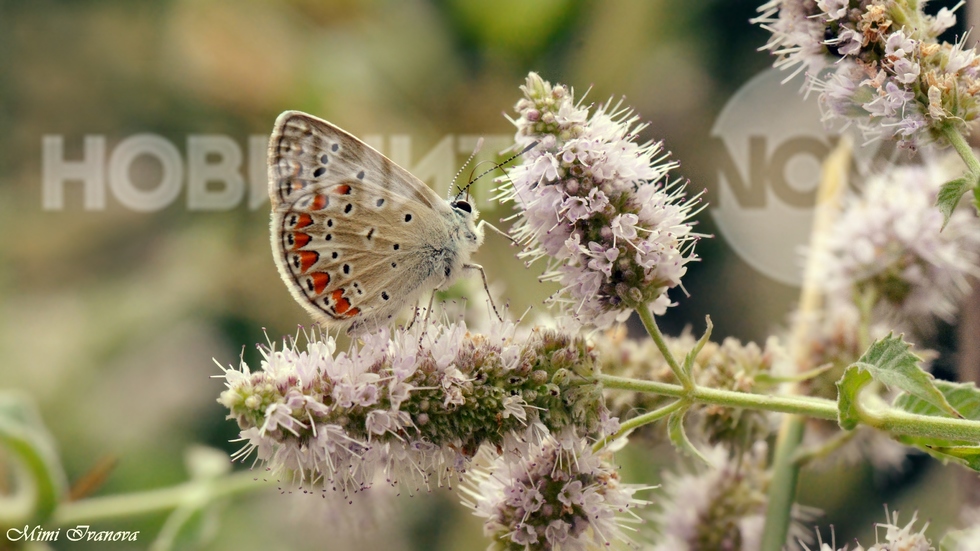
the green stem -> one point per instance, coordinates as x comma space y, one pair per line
963, 148
805, 456
651, 326
163, 499
641, 420
893, 421
896, 421
782, 487
804, 405
965, 152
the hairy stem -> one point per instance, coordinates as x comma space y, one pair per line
641, 420
786, 471
151, 501
812, 407
651, 326
962, 147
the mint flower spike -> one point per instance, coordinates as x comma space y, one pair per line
412, 406
879, 64
890, 241
723, 507
600, 207
560, 495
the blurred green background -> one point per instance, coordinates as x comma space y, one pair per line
109, 317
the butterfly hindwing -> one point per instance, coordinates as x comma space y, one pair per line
349, 227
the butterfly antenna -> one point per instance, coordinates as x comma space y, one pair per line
479, 146
495, 167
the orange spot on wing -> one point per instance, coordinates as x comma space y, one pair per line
353, 312
342, 189
303, 220
300, 240
320, 281
340, 304
307, 259
320, 202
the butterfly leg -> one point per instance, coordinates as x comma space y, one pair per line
415, 316
486, 286
428, 310
425, 320
484, 224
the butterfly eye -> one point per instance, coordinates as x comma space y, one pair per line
463, 206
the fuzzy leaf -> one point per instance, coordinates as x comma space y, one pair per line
968, 456
950, 194
890, 361
675, 429
848, 388
965, 399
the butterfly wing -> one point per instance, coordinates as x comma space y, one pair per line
350, 228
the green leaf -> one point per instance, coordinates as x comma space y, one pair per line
963, 397
675, 429
848, 388
950, 194
693, 354
968, 456
40, 478
889, 361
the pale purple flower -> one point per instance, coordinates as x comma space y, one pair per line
835, 9
899, 45
888, 240
410, 405
560, 495
616, 232
722, 507
908, 86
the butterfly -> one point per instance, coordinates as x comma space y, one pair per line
356, 237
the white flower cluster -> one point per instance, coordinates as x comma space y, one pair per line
597, 204
878, 63
411, 404
723, 507
559, 496
897, 538
888, 241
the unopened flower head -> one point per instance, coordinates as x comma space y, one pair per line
878, 63
410, 404
561, 495
722, 508
888, 242
730, 365
617, 232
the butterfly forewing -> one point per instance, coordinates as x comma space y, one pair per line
348, 224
